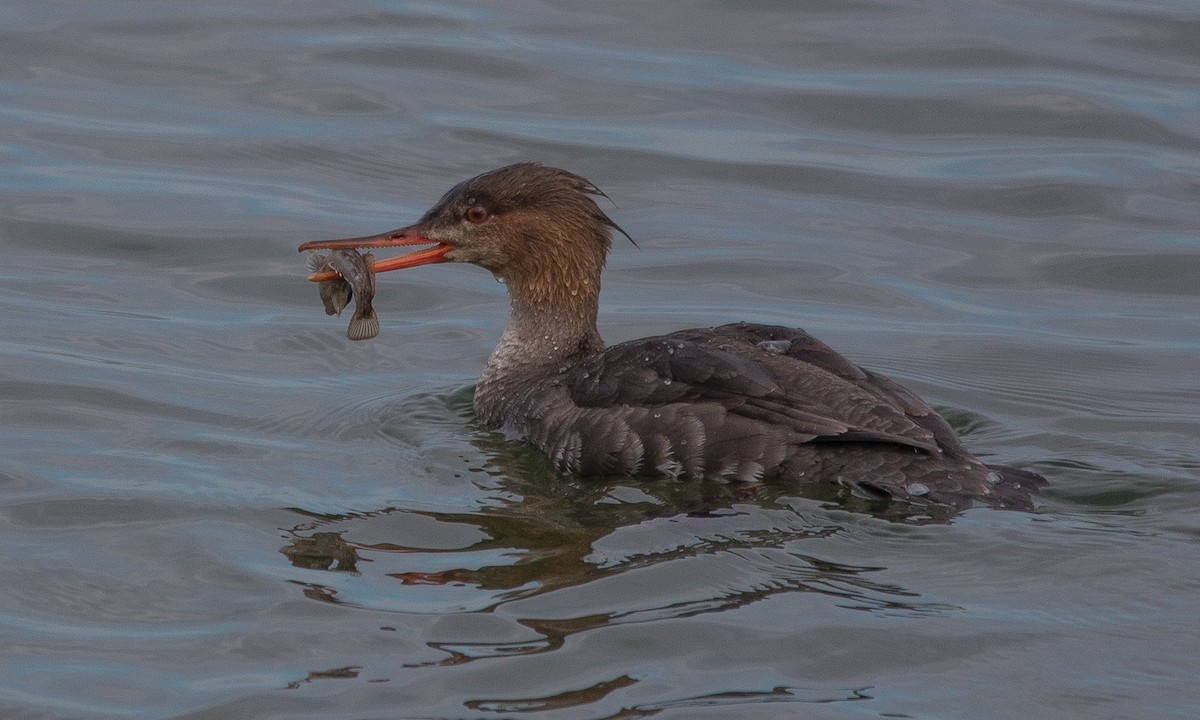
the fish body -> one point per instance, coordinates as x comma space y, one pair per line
335, 294
357, 281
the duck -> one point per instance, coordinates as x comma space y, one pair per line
742, 402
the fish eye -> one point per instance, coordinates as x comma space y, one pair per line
477, 214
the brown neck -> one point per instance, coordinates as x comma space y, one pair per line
550, 328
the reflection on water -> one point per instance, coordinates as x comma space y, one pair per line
323, 551
332, 674
551, 534
596, 692
212, 505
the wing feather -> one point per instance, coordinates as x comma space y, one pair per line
809, 389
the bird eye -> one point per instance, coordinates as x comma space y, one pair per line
477, 214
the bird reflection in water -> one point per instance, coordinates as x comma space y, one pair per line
543, 537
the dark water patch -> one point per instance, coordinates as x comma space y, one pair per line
1143, 273
104, 404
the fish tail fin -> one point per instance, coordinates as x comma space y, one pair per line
364, 325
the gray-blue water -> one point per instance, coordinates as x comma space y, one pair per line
213, 505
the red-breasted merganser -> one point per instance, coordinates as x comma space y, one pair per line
744, 402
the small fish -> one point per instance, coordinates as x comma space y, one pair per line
335, 294
358, 275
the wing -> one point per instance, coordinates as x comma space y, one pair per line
781, 377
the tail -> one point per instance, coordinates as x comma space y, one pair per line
905, 474
364, 325
1014, 487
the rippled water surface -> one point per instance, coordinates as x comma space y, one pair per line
213, 505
